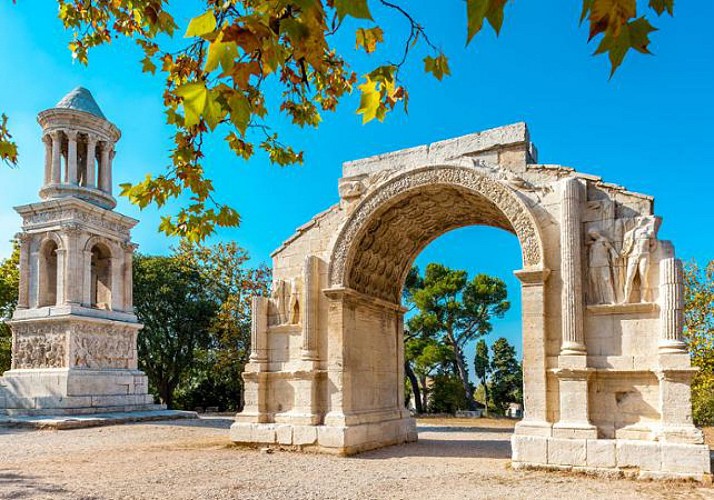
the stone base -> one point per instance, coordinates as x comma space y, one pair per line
637, 458
326, 438
65, 391
63, 422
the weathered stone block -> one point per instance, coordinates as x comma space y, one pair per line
601, 453
685, 458
645, 455
566, 451
529, 449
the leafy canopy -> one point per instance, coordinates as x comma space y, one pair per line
235, 49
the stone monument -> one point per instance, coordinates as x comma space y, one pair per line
74, 330
606, 374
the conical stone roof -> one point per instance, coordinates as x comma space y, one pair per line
80, 99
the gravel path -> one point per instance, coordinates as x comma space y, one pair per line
194, 459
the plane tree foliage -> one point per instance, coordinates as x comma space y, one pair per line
699, 335
217, 70
9, 289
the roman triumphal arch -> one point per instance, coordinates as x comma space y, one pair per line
606, 373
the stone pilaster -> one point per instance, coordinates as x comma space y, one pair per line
23, 298
310, 308
571, 267
535, 418
129, 276
87, 278
73, 278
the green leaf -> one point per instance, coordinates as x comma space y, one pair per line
660, 6
369, 38
437, 66
369, 102
355, 8
633, 35
201, 25
240, 111
213, 112
194, 96
148, 66
475, 13
223, 53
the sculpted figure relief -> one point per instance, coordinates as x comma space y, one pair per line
294, 306
285, 298
40, 352
602, 257
638, 245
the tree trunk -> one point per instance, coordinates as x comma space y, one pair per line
424, 395
415, 387
464, 376
485, 396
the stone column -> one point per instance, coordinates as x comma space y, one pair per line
56, 137
535, 388
571, 268
310, 308
105, 169
23, 298
47, 140
91, 161
672, 306
72, 157
255, 378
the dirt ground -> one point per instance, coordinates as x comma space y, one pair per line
454, 458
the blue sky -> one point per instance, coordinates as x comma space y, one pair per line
650, 128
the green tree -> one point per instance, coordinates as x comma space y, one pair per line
234, 50
506, 376
9, 288
455, 311
231, 284
427, 357
699, 335
482, 368
174, 303
448, 395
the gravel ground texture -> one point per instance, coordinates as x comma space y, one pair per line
195, 460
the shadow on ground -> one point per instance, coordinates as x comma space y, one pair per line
450, 429
452, 448
201, 421
21, 486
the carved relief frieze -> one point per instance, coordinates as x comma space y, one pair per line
102, 350
39, 350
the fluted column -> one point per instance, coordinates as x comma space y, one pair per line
72, 157
91, 161
56, 168
672, 305
47, 140
310, 308
105, 169
73, 280
571, 268
259, 330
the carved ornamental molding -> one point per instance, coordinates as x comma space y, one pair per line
506, 201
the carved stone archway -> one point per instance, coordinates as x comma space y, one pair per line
606, 374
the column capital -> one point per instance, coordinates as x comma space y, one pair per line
72, 134
55, 134
107, 146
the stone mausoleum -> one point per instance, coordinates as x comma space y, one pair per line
606, 374
74, 329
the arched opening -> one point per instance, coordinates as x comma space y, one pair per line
445, 421
371, 258
101, 277
48, 274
